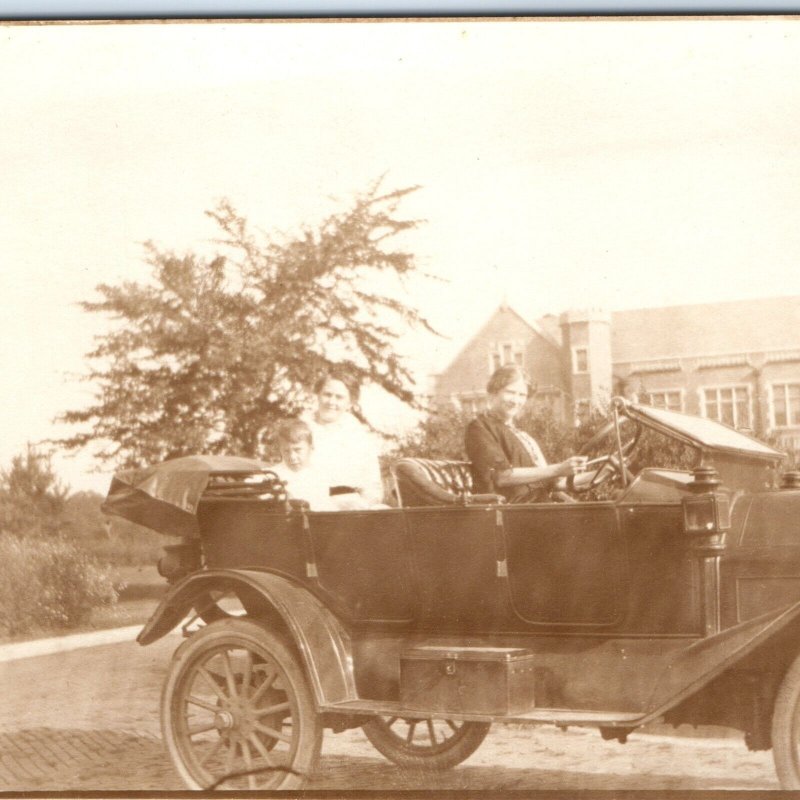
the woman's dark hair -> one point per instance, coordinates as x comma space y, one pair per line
351, 384
505, 376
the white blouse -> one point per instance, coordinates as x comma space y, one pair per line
347, 453
306, 484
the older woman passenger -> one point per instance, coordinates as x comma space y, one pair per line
506, 459
343, 447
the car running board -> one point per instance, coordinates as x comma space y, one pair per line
553, 716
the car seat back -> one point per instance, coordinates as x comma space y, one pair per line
436, 482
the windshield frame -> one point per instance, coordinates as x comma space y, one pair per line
650, 417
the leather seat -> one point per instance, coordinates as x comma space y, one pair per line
432, 482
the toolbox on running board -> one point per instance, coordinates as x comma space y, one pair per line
467, 680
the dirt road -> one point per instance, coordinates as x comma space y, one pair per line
88, 719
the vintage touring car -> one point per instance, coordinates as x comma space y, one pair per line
678, 600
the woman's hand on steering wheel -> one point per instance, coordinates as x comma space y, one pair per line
605, 467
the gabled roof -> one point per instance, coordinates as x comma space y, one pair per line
742, 326
503, 307
536, 327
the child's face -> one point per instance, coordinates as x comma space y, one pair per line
296, 454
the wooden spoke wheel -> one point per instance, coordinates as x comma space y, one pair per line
786, 729
237, 711
430, 744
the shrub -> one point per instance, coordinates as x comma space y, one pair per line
128, 545
49, 583
83, 517
440, 434
111, 540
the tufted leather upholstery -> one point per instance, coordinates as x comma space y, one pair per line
429, 482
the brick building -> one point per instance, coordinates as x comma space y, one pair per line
738, 362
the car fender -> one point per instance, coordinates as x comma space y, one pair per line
323, 642
692, 668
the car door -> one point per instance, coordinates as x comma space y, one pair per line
498, 569
565, 563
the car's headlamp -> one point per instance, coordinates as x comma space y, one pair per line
706, 514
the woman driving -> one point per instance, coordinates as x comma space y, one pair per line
508, 460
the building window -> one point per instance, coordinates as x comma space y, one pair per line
580, 359
670, 399
503, 353
472, 404
785, 404
728, 404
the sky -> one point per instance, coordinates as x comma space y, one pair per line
614, 163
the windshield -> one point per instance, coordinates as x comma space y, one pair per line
706, 433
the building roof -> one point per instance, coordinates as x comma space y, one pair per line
535, 327
743, 326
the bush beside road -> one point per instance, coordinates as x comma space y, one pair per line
49, 583
138, 590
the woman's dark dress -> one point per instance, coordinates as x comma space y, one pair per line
492, 447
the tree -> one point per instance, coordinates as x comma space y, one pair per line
439, 434
32, 500
211, 352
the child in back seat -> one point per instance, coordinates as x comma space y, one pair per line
304, 480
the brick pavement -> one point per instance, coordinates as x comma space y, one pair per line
64, 759
88, 720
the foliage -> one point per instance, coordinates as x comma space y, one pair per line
32, 500
83, 518
111, 540
211, 352
440, 434
48, 583
128, 544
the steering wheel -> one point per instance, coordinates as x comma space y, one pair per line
608, 466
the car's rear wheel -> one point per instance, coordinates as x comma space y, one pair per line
427, 744
786, 729
237, 711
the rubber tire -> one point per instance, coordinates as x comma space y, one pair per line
786, 729
463, 746
238, 631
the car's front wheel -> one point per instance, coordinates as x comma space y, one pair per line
425, 744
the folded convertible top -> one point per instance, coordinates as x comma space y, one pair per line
165, 497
